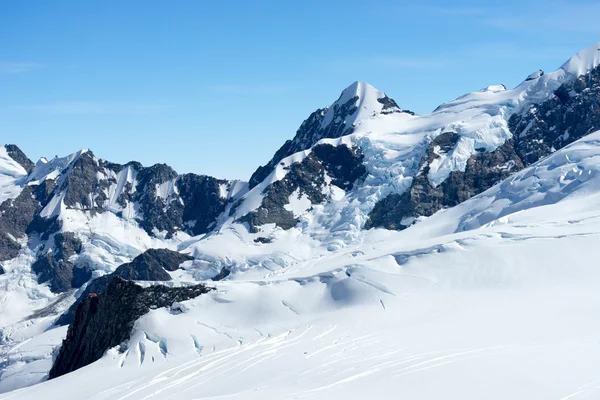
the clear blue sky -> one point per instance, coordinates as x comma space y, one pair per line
215, 87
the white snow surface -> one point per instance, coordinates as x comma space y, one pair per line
366, 104
498, 309
495, 298
11, 173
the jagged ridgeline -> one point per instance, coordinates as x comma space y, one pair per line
398, 166
156, 199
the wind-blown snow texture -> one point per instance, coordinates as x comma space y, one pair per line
483, 285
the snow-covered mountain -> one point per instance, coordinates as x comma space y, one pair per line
378, 252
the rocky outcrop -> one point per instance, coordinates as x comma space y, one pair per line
56, 266
157, 212
483, 170
342, 165
105, 320
9, 248
81, 185
152, 265
16, 154
202, 200
15, 217
572, 113
165, 202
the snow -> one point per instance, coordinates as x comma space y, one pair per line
584, 61
298, 204
11, 175
366, 103
495, 298
502, 311
126, 176
45, 169
166, 190
28, 361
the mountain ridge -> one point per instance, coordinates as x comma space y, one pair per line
362, 163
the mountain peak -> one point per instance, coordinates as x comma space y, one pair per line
363, 90
359, 100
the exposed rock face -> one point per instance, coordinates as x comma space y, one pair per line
308, 178
16, 154
152, 265
162, 214
82, 187
572, 113
106, 320
202, 201
193, 207
9, 248
55, 266
44, 191
164, 201
15, 217
483, 170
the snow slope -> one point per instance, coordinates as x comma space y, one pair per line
504, 309
10, 175
494, 298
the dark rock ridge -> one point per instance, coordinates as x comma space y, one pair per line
19, 218
194, 208
192, 205
312, 130
56, 268
341, 163
484, 170
81, 185
15, 217
151, 265
572, 113
106, 320
16, 154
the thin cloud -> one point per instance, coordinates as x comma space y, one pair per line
18, 67
93, 108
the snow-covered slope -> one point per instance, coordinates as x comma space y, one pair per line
10, 174
504, 310
482, 285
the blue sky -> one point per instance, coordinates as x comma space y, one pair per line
216, 87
